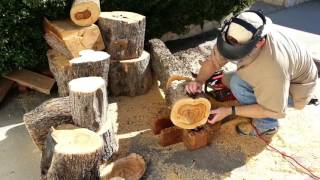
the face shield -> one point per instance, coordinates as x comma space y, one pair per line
239, 51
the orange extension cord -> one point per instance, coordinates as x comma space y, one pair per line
285, 156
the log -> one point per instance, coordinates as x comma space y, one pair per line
89, 103
90, 63
170, 135
49, 114
123, 34
71, 153
130, 77
69, 39
165, 65
186, 112
196, 139
85, 12
131, 167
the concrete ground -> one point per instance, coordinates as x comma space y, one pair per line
20, 159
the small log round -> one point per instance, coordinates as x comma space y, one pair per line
85, 12
88, 100
49, 114
123, 34
71, 153
130, 77
131, 167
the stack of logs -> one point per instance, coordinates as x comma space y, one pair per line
174, 74
73, 131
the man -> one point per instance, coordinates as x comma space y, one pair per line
273, 71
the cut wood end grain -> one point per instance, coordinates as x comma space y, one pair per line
85, 13
124, 16
86, 84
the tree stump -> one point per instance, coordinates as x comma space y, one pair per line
131, 167
123, 34
130, 77
165, 65
71, 153
89, 103
49, 114
91, 63
85, 12
69, 39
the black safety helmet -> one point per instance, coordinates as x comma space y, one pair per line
237, 52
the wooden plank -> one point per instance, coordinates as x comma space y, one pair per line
5, 85
32, 80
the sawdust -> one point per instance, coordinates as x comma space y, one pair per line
230, 156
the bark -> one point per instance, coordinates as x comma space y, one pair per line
85, 12
165, 65
49, 114
130, 77
71, 153
69, 39
91, 63
123, 34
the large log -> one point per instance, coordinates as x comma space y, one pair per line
49, 114
69, 39
71, 153
130, 77
165, 65
123, 34
90, 63
89, 103
85, 12
131, 167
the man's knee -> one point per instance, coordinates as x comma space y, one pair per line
242, 90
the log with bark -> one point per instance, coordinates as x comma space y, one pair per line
71, 153
130, 77
85, 12
165, 65
49, 114
131, 167
186, 112
69, 39
123, 34
91, 63
89, 103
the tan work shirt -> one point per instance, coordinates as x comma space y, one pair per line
283, 67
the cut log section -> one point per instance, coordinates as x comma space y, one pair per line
91, 63
131, 167
71, 153
88, 99
69, 39
85, 12
123, 34
49, 114
32, 80
165, 65
130, 77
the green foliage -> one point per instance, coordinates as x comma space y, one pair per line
173, 15
21, 43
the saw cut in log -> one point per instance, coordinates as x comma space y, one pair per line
69, 39
186, 112
71, 153
131, 167
85, 12
49, 114
165, 65
123, 34
91, 63
130, 77
88, 99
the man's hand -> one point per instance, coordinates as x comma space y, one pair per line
219, 114
194, 87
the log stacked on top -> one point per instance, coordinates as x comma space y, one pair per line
123, 34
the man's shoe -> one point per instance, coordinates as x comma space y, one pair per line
247, 129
